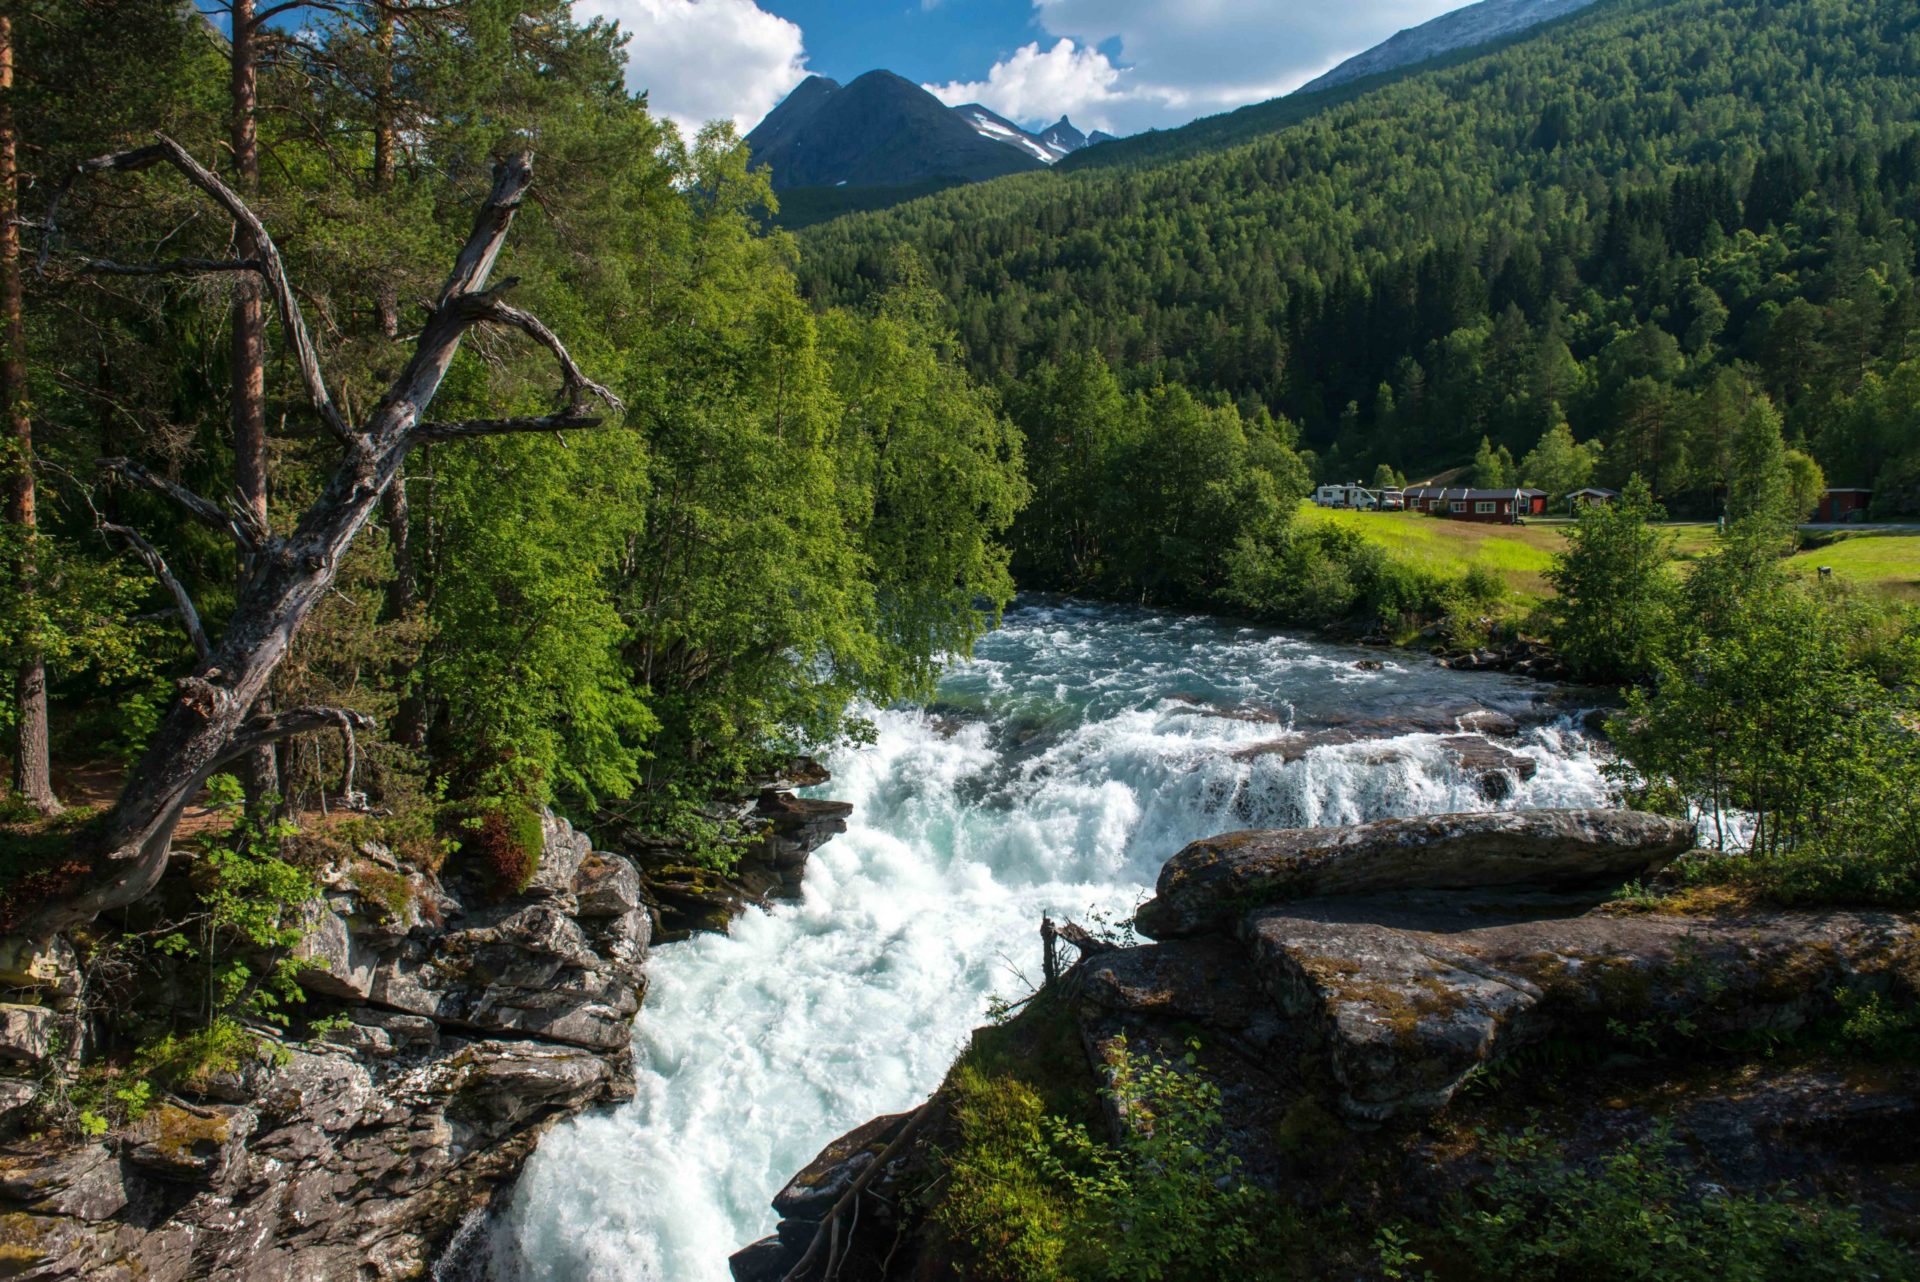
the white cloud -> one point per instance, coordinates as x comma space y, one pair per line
1178, 59
1034, 83
704, 60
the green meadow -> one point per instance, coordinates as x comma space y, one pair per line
1887, 560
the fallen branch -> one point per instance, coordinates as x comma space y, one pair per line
829, 1227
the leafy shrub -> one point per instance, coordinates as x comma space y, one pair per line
174, 1061
1633, 1219
250, 918
1035, 1197
390, 890
504, 840
1482, 584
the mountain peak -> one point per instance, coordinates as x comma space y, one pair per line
878, 130
1476, 24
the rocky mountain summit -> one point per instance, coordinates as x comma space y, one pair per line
1464, 28
882, 130
1346, 986
462, 1027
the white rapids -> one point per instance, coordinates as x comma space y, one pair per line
1080, 748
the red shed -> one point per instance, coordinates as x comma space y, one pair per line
1843, 504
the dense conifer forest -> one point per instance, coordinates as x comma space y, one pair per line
1644, 219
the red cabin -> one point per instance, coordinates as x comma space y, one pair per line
1494, 507
1841, 505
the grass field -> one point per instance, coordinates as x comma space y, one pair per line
1888, 560
1885, 559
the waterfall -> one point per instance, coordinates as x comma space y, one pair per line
1057, 770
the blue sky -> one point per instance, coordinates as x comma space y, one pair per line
1119, 65
950, 40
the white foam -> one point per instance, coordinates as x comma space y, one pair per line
1090, 766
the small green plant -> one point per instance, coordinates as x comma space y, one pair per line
189, 1060
250, 917
503, 838
1873, 1026
1168, 1200
1396, 1254
1036, 1197
1541, 1217
391, 891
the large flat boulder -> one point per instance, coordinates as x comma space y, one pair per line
1410, 996
1213, 882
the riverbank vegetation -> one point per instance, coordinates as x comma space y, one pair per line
1782, 712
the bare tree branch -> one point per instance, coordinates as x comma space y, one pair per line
176, 267
201, 509
157, 566
256, 731
208, 725
468, 429
270, 267
577, 385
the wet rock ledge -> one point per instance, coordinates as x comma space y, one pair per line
1346, 985
464, 1029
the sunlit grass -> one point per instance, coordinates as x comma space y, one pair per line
1885, 560
1888, 561
1520, 554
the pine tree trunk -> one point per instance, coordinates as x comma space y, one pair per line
248, 360
403, 590
32, 767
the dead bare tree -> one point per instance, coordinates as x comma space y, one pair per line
212, 724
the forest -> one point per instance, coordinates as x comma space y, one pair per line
1647, 226
787, 510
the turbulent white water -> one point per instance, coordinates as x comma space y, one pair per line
1081, 748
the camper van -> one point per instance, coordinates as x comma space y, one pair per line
1356, 496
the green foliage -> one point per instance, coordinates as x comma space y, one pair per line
1874, 1027
1153, 497
187, 1061
1765, 711
1604, 215
503, 839
77, 613
1493, 469
1616, 589
800, 510
249, 916
1558, 464
1000, 1204
1035, 1196
1633, 1216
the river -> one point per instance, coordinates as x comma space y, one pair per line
1082, 746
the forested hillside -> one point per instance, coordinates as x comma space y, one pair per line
1657, 218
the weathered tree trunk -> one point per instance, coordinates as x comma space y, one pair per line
403, 589
32, 766
248, 358
211, 724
